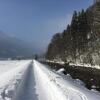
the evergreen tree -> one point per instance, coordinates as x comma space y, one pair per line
78, 39
74, 31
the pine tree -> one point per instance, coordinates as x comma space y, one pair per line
74, 31
83, 30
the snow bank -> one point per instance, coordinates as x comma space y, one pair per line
75, 64
45, 87
57, 87
61, 71
85, 65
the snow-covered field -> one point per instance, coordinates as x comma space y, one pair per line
11, 73
27, 80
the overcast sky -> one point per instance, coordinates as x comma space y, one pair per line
36, 21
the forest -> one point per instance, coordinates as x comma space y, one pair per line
80, 41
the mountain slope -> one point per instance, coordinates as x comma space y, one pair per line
13, 47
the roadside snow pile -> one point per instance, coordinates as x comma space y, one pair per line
80, 82
74, 64
85, 65
45, 84
94, 88
61, 71
57, 87
10, 80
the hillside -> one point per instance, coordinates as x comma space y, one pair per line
11, 47
80, 41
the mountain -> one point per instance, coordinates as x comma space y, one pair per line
93, 13
80, 41
11, 47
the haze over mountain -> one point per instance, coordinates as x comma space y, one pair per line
14, 47
36, 21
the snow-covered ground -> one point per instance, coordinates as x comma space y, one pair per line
59, 87
27, 80
10, 77
75, 64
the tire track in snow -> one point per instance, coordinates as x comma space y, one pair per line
27, 89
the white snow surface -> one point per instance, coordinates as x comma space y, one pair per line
76, 64
27, 80
61, 70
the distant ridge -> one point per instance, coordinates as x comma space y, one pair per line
11, 47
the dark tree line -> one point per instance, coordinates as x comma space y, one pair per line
76, 41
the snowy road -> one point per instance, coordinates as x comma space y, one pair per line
34, 81
27, 90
